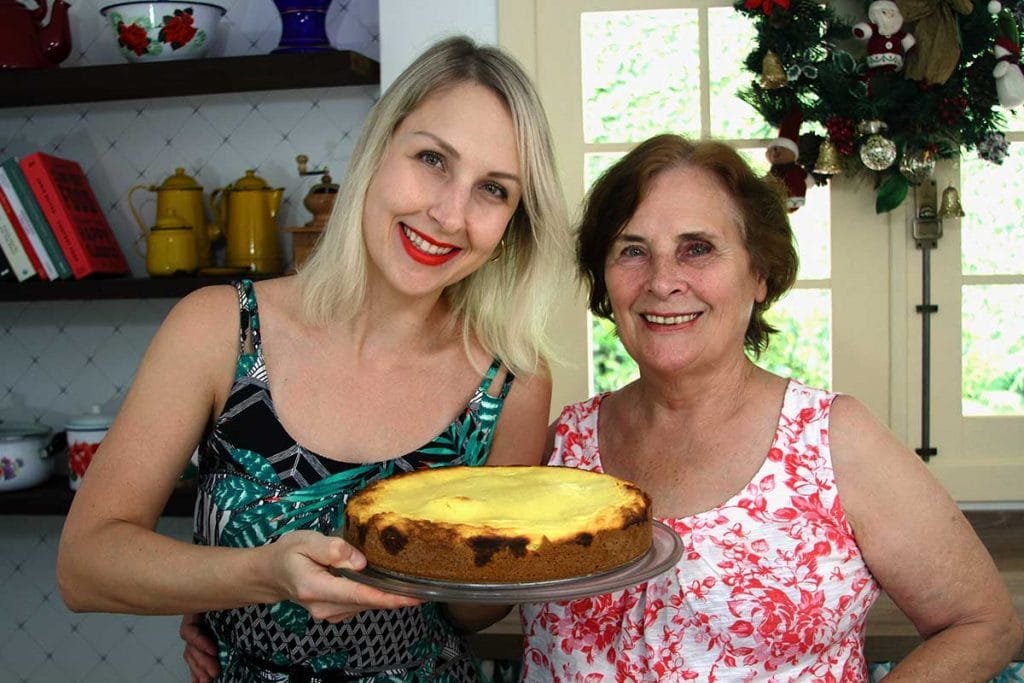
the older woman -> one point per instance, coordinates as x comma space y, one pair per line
795, 505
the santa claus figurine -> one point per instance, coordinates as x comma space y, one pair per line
887, 43
782, 154
1007, 72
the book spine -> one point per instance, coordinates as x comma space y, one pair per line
6, 274
35, 215
15, 255
26, 244
46, 193
7, 187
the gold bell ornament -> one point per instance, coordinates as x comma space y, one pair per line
772, 75
950, 206
828, 160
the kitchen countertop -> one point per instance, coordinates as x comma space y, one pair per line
890, 635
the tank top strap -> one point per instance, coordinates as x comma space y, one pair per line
248, 318
492, 371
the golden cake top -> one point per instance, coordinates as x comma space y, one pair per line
551, 502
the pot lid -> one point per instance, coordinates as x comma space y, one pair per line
94, 419
180, 181
13, 431
251, 181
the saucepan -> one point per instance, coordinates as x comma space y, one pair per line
26, 454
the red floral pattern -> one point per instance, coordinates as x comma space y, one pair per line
771, 586
79, 456
178, 29
132, 37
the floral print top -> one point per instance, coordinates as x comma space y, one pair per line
771, 587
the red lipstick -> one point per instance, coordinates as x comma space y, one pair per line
422, 257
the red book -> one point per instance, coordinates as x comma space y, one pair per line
6, 207
78, 223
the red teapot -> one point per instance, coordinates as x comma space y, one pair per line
25, 43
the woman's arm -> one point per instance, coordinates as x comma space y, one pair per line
111, 559
923, 552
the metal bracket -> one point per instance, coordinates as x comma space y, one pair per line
926, 230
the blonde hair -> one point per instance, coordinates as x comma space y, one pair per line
504, 304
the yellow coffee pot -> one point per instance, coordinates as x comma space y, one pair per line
181, 195
170, 247
246, 211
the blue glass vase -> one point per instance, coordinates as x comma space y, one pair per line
303, 26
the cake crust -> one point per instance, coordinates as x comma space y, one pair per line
499, 524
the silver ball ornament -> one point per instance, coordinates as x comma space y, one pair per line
878, 153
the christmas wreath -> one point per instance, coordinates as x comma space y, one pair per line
886, 87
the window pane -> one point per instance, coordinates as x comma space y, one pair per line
731, 117
812, 226
811, 223
802, 346
594, 164
993, 350
613, 367
993, 199
641, 74
1014, 119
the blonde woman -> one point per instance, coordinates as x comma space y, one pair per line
412, 338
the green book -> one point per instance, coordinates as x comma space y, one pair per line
24, 203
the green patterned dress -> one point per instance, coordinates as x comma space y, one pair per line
256, 483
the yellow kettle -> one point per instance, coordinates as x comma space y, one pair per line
246, 211
170, 247
181, 195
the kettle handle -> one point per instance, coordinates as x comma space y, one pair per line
138, 218
219, 226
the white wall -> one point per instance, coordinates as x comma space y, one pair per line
407, 27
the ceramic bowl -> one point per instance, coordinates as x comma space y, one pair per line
163, 31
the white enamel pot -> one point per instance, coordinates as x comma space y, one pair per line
26, 455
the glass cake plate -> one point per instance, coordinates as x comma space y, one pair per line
665, 551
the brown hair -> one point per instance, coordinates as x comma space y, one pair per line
759, 205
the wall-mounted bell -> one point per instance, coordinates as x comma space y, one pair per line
828, 160
772, 75
950, 206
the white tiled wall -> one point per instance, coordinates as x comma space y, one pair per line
59, 358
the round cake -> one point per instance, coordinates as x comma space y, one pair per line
499, 524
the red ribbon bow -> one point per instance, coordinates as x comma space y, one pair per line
767, 5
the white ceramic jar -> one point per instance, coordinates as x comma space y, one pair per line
85, 432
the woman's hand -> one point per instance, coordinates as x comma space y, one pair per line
301, 564
200, 650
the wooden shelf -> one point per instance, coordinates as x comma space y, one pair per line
54, 496
110, 288
35, 87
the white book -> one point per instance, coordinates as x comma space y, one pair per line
27, 225
20, 263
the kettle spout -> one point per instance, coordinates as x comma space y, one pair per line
55, 37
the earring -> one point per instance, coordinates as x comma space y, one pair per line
499, 252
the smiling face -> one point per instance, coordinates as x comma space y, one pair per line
679, 278
445, 190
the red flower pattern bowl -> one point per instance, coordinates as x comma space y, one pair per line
162, 31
